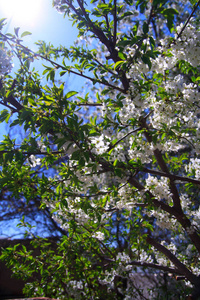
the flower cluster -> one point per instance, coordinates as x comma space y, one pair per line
5, 61
101, 144
98, 235
33, 161
161, 187
194, 167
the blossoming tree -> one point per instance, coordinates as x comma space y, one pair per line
118, 165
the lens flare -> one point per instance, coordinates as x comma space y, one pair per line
22, 12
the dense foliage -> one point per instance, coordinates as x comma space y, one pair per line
116, 166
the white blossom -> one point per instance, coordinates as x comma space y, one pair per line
98, 235
100, 143
194, 167
5, 61
34, 161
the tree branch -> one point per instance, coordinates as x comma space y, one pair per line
151, 197
155, 266
179, 265
171, 176
101, 36
115, 23
94, 80
163, 166
11, 99
179, 215
188, 20
106, 17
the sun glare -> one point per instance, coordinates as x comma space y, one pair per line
21, 12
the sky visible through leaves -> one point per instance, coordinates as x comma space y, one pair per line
44, 22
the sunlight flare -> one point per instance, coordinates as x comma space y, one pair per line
22, 12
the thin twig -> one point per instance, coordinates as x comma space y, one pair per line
30, 152
155, 266
89, 104
188, 20
64, 68
171, 176
106, 17
125, 136
115, 23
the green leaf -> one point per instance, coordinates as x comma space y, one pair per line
145, 27
25, 33
134, 163
2, 22
118, 64
145, 58
31, 101
169, 13
16, 30
63, 73
70, 94
51, 75
76, 155
82, 162
118, 172
121, 55
4, 116
115, 162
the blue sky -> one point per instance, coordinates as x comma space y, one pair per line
45, 24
